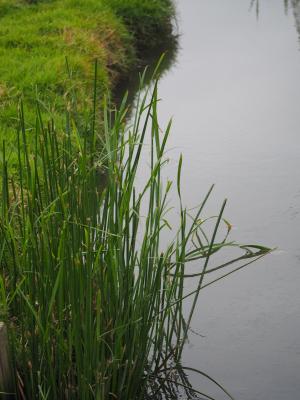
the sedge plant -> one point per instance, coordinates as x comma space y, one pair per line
93, 300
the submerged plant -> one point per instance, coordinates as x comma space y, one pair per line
92, 299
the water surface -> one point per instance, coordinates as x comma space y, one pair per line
234, 94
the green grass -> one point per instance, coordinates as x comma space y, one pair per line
36, 37
92, 297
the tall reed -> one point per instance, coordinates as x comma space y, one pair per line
93, 304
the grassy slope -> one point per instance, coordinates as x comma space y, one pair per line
35, 40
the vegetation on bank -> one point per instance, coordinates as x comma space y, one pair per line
36, 36
94, 301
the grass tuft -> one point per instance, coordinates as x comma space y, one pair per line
93, 301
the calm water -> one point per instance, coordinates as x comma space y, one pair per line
234, 95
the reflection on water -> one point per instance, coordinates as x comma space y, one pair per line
234, 95
296, 8
149, 58
294, 4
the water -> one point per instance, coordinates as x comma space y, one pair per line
234, 94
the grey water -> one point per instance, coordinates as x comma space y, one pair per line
234, 95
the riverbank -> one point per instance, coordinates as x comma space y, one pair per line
48, 50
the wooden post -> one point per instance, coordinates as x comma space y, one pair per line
5, 365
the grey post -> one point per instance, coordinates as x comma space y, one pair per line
5, 364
